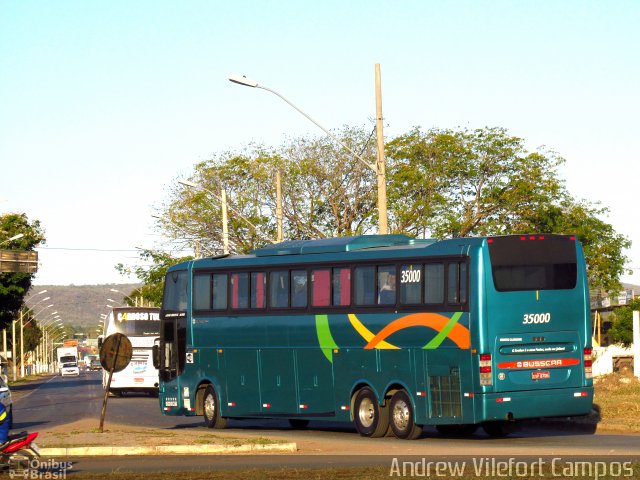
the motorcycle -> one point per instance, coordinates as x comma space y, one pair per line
18, 452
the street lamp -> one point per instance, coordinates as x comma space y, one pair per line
15, 237
22, 325
13, 334
379, 167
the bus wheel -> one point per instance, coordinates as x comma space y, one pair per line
370, 418
298, 423
401, 417
498, 429
457, 430
211, 409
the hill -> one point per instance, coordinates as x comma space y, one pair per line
79, 305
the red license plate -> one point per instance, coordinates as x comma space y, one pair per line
540, 375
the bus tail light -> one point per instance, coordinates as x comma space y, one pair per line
486, 375
588, 363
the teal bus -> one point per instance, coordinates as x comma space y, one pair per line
385, 331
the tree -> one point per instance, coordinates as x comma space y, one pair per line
152, 277
603, 246
326, 192
485, 182
622, 318
442, 183
14, 286
478, 182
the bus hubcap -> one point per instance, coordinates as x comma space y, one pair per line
366, 412
210, 406
401, 415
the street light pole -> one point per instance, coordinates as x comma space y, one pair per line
13, 333
223, 200
376, 167
22, 334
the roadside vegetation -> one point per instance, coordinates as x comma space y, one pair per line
617, 398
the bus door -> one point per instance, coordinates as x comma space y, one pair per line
536, 317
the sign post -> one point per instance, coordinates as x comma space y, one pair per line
115, 355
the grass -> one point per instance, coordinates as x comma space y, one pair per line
617, 398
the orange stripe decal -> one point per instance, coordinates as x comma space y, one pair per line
458, 334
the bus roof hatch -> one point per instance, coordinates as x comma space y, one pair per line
333, 245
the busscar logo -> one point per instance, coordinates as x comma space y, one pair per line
543, 363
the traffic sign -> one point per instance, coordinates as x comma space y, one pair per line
115, 353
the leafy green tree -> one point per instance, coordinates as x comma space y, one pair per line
485, 182
603, 246
622, 318
152, 277
442, 183
477, 182
14, 286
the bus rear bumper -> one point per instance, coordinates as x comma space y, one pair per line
533, 404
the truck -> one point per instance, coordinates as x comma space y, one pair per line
68, 361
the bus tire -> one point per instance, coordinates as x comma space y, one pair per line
499, 429
401, 417
298, 423
211, 409
371, 420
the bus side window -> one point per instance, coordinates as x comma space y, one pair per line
411, 284
239, 290
320, 288
201, 291
279, 289
365, 285
219, 291
258, 289
434, 283
457, 288
299, 288
387, 285
341, 283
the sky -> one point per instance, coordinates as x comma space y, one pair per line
105, 104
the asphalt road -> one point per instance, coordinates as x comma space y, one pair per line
58, 401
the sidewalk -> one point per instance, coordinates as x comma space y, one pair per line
82, 438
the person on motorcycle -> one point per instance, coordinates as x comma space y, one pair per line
5, 420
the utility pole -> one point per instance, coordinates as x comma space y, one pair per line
279, 205
381, 173
225, 225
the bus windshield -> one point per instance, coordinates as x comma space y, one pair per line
533, 262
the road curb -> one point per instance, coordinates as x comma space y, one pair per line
168, 450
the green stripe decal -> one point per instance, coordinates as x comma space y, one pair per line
439, 338
325, 340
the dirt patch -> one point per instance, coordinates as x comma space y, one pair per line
85, 433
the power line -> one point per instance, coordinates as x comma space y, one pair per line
87, 249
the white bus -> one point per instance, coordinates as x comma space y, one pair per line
142, 326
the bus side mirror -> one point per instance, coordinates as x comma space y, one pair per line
100, 342
155, 354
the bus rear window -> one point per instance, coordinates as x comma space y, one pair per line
533, 262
